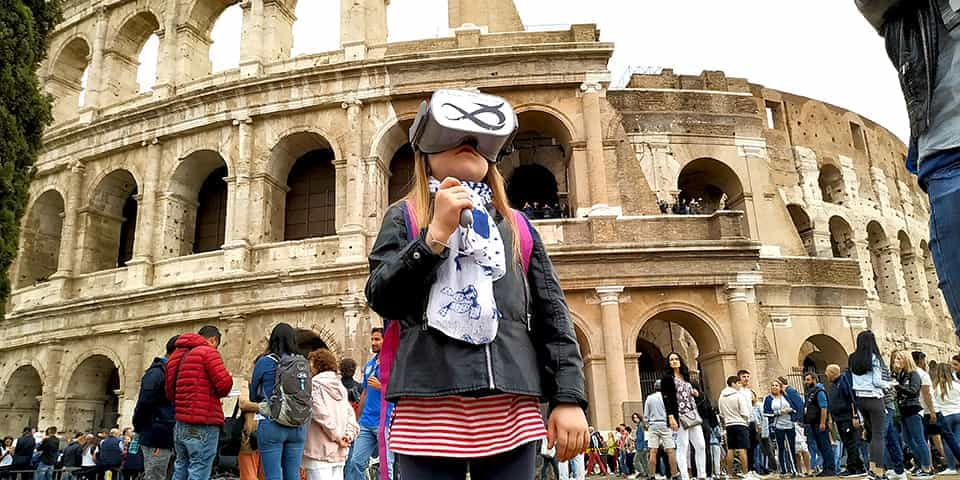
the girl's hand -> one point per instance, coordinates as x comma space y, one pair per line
451, 199
695, 393
567, 431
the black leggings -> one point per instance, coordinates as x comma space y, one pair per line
517, 463
874, 413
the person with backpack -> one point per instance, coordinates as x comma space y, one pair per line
153, 418
486, 332
281, 383
370, 407
843, 409
348, 368
110, 455
195, 381
816, 420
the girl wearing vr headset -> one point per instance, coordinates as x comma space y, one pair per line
485, 333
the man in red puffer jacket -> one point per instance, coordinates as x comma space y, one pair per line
196, 380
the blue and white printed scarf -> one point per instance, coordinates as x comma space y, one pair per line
461, 303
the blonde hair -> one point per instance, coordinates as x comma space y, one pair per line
942, 378
419, 195
906, 361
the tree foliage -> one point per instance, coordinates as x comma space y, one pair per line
24, 112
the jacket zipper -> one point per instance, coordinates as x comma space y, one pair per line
526, 299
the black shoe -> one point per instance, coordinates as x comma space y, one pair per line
874, 476
922, 474
851, 474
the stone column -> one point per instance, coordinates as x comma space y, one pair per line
140, 267
51, 382
233, 347
613, 349
132, 373
362, 23
596, 163
739, 296
631, 362
350, 229
866, 266
96, 73
353, 311
252, 38
69, 236
880, 188
236, 249
893, 267
806, 162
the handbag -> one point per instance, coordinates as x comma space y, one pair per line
690, 419
231, 433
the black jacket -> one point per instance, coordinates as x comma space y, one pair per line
153, 417
23, 453
668, 387
534, 353
908, 392
354, 389
912, 30
73, 455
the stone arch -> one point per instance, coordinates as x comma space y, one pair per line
935, 295
92, 392
832, 184
390, 137
712, 184
66, 77
842, 241
804, 227
109, 222
195, 205
122, 55
391, 144
544, 140
303, 163
818, 351
40, 239
20, 399
882, 260
582, 328
195, 37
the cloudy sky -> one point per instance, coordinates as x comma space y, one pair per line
818, 48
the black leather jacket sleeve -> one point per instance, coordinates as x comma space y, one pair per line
552, 329
401, 271
875, 11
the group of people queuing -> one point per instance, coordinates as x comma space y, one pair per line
881, 417
108, 454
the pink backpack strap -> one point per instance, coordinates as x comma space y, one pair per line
388, 353
526, 239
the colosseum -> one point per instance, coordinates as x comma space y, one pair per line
250, 196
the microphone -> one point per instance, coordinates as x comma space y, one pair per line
466, 218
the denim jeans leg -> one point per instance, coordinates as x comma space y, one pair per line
822, 439
950, 440
943, 188
182, 462
913, 428
360, 453
200, 442
893, 454
270, 442
293, 452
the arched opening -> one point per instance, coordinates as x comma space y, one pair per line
304, 162
124, 55
195, 206
40, 237
881, 258
912, 269
66, 80
21, 400
537, 171
225, 39
933, 281
818, 351
831, 184
110, 223
317, 28
804, 228
707, 185
401, 174
682, 332
92, 402
841, 239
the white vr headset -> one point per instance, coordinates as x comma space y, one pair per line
456, 117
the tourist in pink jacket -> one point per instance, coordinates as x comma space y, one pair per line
333, 425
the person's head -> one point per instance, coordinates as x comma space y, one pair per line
783, 383
128, 432
114, 432
211, 334
27, 431
51, 431
861, 360
810, 380
635, 418
376, 339
322, 360
628, 429
677, 365
744, 376
955, 363
172, 345
348, 367
7, 442
656, 385
919, 358
283, 340
79, 436
619, 428
610, 436
776, 388
733, 381
941, 376
903, 362
832, 371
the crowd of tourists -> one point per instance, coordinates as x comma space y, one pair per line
881, 417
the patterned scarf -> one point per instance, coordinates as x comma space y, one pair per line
461, 303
